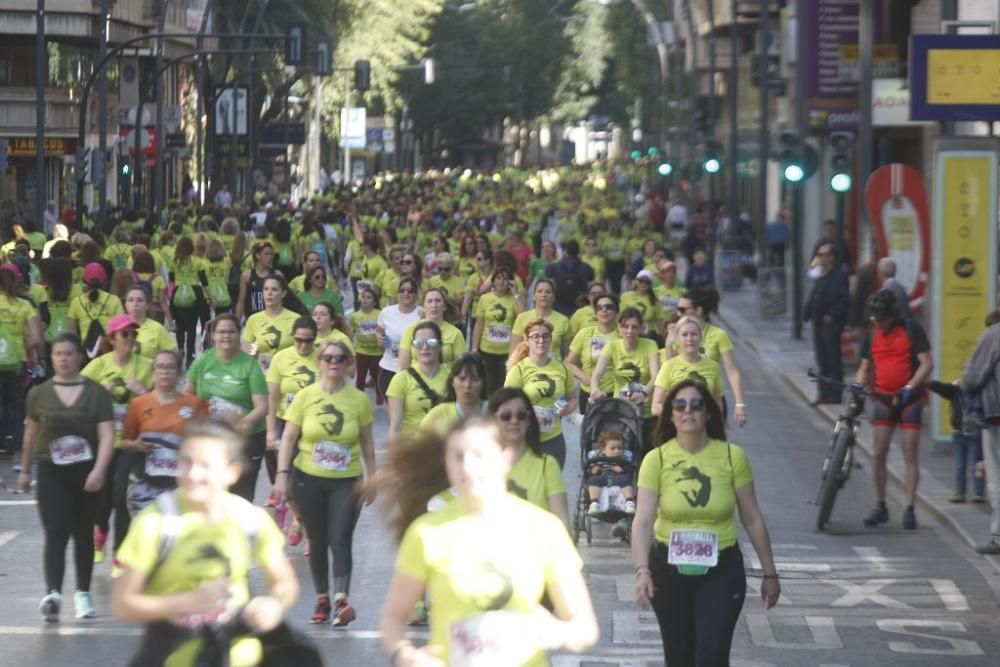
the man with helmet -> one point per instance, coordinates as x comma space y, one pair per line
896, 360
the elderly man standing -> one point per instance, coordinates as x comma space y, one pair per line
887, 275
982, 376
827, 309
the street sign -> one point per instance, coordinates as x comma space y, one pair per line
126, 115
352, 127
273, 134
175, 140
224, 99
943, 83
147, 140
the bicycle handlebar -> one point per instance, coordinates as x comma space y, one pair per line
850, 386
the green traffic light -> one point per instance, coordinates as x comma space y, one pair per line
841, 182
712, 165
636, 155
794, 173
125, 169
652, 151
665, 169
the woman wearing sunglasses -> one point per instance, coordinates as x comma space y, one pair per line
330, 422
233, 385
715, 344
547, 382
534, 476
587, 345
545, 295
687, 364
632, 362
688, 564
317, 290
494, 315
485, 560
423, 385
125, 374
389, 328
466, 395
451, 339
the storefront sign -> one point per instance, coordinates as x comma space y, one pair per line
955, 77
964, 266
891, 103
54, 146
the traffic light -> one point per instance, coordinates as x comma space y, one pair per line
125, 167
665, 169
635, 155
295, 45
712, 164
796, 158
652, 151
324, 58
82, 165
362, 75
841, 143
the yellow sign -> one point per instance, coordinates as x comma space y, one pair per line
963, 76
964, 243
902, 231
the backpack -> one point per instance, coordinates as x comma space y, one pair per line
184, 295
571, 282
219, 293
95, 330
285, 256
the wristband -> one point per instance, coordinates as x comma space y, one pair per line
769, 576
285, 471
740, 405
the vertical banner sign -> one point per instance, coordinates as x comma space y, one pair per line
964, 269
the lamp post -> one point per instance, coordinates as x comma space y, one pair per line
41, 74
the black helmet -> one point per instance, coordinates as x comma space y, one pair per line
882, 305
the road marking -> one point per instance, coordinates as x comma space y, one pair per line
8, 503
873, 556
7, 536
125, 631
778, 546
791, 565
946, 589
823, 631
627, 623
754, 585
959, 647
859, 593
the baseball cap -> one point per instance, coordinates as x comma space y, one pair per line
120, 323
645, 274
94, 274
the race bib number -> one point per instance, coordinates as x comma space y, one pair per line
119, 411
493, 639
546, 418
220, 407
331, 456
367, 327
597, 344
693, 551
498, 333
265, 362
669, 303
70, 449
162, 462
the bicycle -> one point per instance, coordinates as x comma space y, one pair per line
839, 459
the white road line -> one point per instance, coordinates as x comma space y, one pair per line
778, 546
951, 597
8, 503
127, 631
7, 536
821, 628
790, 565
873, 556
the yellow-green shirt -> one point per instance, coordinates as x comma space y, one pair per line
416, 402
331, 424
583, 317
15, 313
587, 346
270, 334
153, 338
536, 478
544, 385
497, 315
85, 311
292, 372
625, 367
442, 417
677, 369
104, 370
363, 325
651, 314
452, 346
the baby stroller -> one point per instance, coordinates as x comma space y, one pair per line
614, 414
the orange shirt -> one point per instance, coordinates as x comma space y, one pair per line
161, 423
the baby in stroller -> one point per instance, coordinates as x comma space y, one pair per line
610, 466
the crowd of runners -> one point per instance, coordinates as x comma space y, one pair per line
174, 369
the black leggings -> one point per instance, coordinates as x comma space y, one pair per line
246, 485
697, 614
614, 270
384, 378
556, 447
330, 510
496, 370
66, 511
186, 322
12, 393
114, 496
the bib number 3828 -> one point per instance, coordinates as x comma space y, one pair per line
693, 551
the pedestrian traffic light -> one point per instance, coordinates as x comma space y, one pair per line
665, 169
82, 164
797, 159
125, 167
652, 151
841, 144
362, 75
635, 155
712, 164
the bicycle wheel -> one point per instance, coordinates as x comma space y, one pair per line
831, 482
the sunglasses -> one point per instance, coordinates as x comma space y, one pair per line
407, 290
605, 306
506, 416
429, 343
304, 341
537, 338
334, 358
682, 404
407, 261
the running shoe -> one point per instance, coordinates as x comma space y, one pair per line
17, 467
419, 617
879, 515
49, 607
991, 548
978, 499
321, 612
957, 498
83, 606
620, 530
629, 507
272, 500
100, 541
909, 519
595, 508
295, 533
343, 613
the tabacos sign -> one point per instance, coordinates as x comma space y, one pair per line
53, 146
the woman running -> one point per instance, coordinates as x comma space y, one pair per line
391, 323
188, 299
495, 314
586, 315
687, 364
587, 345
197, 584
251, 295
451, 339
688, 562
69, 433
331, 422
547, 382
317, 290
151, 336
269, 330
90, 312
485, 560
642, 298
466, 395
545, 294
364, 324
414, 391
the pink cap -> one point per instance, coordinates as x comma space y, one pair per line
94, 274
12, 267
120, 323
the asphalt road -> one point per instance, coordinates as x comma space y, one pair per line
852, 597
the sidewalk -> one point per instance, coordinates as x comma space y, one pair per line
771, 339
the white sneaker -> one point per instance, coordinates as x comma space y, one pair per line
595, 508
83, 606
49, 607
629, 507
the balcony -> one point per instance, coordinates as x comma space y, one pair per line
17, 112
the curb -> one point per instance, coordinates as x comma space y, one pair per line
898, 480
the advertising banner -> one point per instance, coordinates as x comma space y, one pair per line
964, 249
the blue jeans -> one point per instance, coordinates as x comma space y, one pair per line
968, 452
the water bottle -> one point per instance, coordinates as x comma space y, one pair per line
560, 404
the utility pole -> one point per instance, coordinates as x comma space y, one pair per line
801, 122
710, 134
763, 134
159, 159
734, 138
866, 48
102, 117
41, 77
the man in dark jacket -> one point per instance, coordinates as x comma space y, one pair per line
826, 307
571, 277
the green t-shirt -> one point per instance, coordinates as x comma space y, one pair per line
696, 491
71, 429
544, 385
536, 479
497, 315
327, 295
228, 386
330, 438
587, 346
